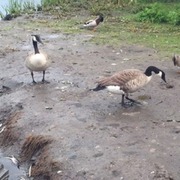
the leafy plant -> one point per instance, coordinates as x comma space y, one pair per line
174, 17
159, 13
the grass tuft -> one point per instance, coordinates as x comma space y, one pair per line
33, 145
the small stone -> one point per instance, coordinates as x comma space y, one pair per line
73, 156
169, 86
152, 150
126, 59
49, 108
99, 154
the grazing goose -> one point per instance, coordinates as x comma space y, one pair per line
128, 81
92, 24
37, 61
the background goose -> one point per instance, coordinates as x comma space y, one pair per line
128, 81
37, 61
92, 24
176, 60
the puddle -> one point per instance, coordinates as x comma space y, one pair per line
14, 172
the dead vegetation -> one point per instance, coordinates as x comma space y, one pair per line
11, 133
35, 151
45, 167
33, 145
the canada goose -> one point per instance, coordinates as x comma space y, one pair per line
128, 81
92, 24
37, 61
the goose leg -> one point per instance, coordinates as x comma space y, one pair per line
132, 100
122, 100
43, 79
34, 82
125, 104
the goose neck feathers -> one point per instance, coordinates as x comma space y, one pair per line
36, 50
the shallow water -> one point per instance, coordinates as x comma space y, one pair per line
14, 172
4, 4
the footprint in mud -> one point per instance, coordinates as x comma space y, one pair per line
9, 86
4, 89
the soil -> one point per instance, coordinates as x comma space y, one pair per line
94, 137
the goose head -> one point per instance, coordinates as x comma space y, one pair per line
157, 71
36, 38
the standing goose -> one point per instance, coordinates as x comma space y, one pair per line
37, 61
92, 24
128, 81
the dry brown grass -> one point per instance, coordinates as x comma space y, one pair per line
11, 134
36, 148
32, 145
45, 167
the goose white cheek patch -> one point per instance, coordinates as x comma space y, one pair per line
34, 38
160, 74
115, 89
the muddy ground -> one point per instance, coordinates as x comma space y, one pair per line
93, 136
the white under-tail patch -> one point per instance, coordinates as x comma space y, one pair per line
115, 89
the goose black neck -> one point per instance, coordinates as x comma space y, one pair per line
36, 50
151, 69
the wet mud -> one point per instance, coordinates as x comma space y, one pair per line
93, 137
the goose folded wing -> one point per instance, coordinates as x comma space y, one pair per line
119, 79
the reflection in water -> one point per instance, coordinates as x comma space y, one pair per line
4, 4
14, 172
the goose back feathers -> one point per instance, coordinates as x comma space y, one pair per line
125, 81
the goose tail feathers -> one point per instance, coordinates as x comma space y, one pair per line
98, 88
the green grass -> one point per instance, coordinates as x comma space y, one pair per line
161, 37
120, 30
120, 26
160, 13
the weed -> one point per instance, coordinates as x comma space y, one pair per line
160, 13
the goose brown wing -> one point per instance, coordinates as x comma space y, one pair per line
120, 78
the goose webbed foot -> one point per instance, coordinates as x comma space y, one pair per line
45, 82
132, 101
127, 104
34, 82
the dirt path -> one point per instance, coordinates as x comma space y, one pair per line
93, 136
